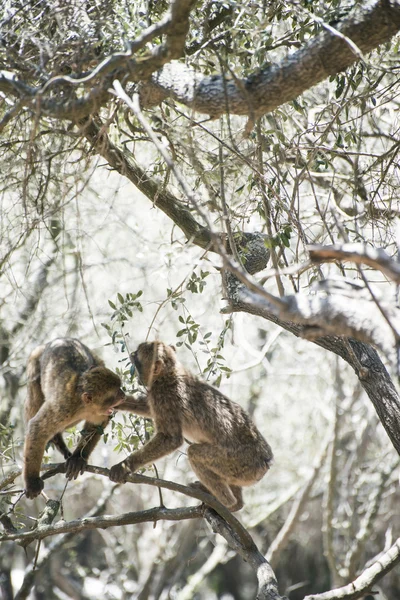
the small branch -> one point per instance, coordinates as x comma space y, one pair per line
10, 478
104, 522
257, 255
364, 583
366, 526
242, 534
359, 254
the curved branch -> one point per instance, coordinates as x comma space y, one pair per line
175, 25
241, 533
332, 51
359, 254
220, 518
363, 584
364, 359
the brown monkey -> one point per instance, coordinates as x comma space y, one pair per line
67, 383
227, 452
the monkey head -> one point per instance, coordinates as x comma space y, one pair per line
153, 360
102, 388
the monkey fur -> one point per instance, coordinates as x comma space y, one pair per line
67, 383
227, 450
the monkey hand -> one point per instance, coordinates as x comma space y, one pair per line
75, 465
34, 486
119, 472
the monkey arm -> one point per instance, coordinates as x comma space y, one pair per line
139, 406
40, 429
91, 434
160, 445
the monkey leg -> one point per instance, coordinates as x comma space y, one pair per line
235, 489
77, 461
34, 399
211, 480
225, 470
59, 443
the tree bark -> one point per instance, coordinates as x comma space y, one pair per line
332, 51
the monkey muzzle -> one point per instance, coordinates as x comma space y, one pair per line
119, 398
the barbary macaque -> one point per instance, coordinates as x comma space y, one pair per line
227, 450
67, 383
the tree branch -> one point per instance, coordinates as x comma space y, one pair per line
363, 584
365, 361
359, 254
256, 255
370, 24
175, 25
344, 309
220, 518
267, 584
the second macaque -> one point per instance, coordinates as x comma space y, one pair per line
227, 450
67, 383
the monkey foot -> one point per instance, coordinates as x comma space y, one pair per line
197, 485
34, 486
119, 473
75, 465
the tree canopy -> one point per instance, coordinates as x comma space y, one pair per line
223, 174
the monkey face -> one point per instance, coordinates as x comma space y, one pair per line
111, 401
101, 388
152, 360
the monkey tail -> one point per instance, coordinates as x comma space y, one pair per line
35, 397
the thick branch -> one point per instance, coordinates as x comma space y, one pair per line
344, 309
370, 24
359, 254
267, 584
175, 25
365, 361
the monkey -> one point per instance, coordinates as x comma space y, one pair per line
67, 383
226, 451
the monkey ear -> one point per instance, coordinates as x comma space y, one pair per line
87, 398
173, 347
